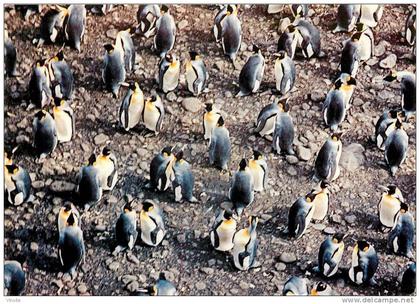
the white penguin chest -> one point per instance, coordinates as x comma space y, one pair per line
210, 121
191, 77
365, 47
320, 206
389, 207
170, 79
225, 232
64, 126
278, 71
151, 117
258, 174
240, 240
105, 168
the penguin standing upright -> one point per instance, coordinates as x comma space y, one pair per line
45, 134
401, 237
51, 25
347, 16
350, 56
321, 201
408, 89
89, 185
64, 120
223, 230
219, 146
210, 118
124, 38
217, 27
408, 281
288, 41
364, 263
366, 41
309, 38
153, 114
231, 33
75, 25
285, 72
147, 16
106, 163
161, 173
71, 247
246, 245
162, 287
64, 214
266, 120
396, 146
300, 215
169, 69
14, 278
284, 132
113, 72
40, 85
18, 184
389, 206
252, 73
126, 228
370, 14
196, 74
164, 39
61, 74
241, 192
384, 126
10, 56
330, 254
295, 286
183, 183
132, 106
259, 170
151, 224
326, 163
410, 27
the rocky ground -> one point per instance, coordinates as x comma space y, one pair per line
186, 255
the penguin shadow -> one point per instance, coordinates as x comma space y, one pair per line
276, 225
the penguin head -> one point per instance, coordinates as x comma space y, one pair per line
67, 207
92, 159
338, 84
403, 208
324, 184
227, 215
351, 80
338, 237
398, 124
8, 158
336, 136
40, 62
128, 207
242, 165
291, 28
230, 10
147, 206
257, 155
162, 276
12, 169
392, 189
393, 113
180, 155
284, 105
40, 115
256, 49
59, 56
193, 55
71, 221
154, 98
220, 122
164, 9
363, 246
106, 151
167, 151
109, 48
391, 76
310, 197
209, 107
132, 85
58, 101
152, 290
356, 36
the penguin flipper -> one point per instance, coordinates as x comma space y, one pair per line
301, 225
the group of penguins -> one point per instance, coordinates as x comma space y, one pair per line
52, 81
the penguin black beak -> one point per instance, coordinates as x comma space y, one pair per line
352, 81
389, 78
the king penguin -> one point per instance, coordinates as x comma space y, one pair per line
252, 73
51, 26
371, 14
125, 42
366, 41
321, 289
113, 72
384, 126
259, 170
330, 254
326, 163
217, 27
164, 39
241, 192
347, 15
389, 205
132, 107
64, 214
18, 184
126, 229
266, 120
410, 27
151, 224
246, 245
147, 15
14, 278
407, 82
364, 263
321, 201
45, 134
89, 185
285, 72
401, 237
106, 164
163, 287
64, 120
210, 119
408, 281
223, 230
40, 85
183, 183
169, 69
396, 146
219, 146
231, 33
61, 74
295, 286
284, 131
153, 114
75, 25
300, 215
196, 74
350, 55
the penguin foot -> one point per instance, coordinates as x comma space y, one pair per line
372, 282
193, 200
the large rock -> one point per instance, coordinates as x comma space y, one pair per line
389, 62
62, 186
303, 153
191, 104
352, 157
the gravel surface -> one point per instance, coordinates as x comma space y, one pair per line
186, 255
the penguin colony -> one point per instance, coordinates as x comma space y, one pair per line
234, 231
